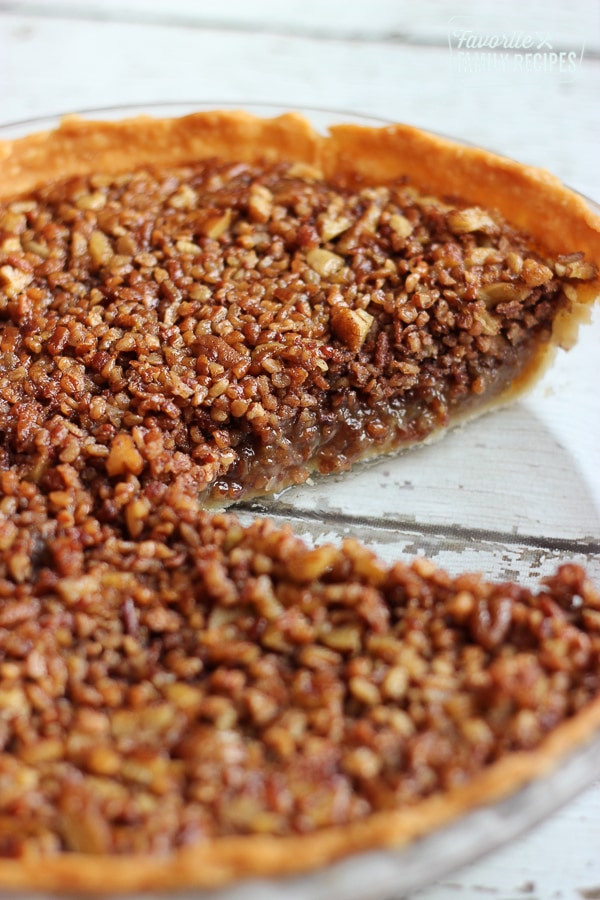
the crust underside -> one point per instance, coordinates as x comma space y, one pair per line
558, 222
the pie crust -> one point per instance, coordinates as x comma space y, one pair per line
558, 222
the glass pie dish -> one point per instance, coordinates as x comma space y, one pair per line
481, 500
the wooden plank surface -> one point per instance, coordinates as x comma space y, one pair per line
50, 62
402, 21
400, 61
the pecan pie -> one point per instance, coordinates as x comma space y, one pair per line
244, 301
208, 308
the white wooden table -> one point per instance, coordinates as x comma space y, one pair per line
401, 61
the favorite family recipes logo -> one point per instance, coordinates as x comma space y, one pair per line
489, 53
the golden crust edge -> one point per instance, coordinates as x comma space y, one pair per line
80, 146
220, 862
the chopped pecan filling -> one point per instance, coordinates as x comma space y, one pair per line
244, 324
166, 675
210, 679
